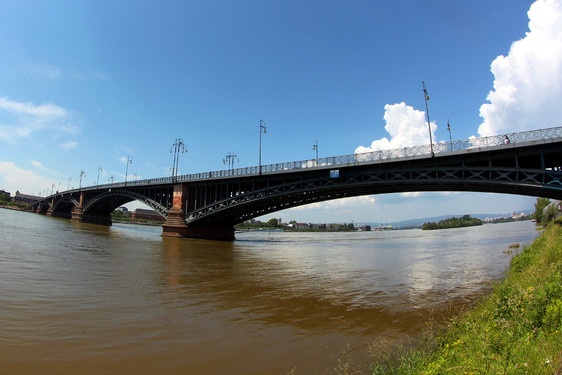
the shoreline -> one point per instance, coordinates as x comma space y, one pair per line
514, 328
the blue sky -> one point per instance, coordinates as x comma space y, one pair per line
85, 84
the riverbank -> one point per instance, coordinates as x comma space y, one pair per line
516, 329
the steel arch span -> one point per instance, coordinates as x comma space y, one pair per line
208, 205
494, 172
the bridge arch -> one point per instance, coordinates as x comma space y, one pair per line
108, 201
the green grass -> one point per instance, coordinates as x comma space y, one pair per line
514, 330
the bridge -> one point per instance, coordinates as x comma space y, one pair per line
208, 205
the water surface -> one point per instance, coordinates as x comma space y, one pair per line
82, 298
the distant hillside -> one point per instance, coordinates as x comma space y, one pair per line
420, 221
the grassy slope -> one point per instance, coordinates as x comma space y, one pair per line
515, 330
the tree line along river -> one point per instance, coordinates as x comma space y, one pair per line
81, 298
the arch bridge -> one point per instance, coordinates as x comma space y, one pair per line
208, 205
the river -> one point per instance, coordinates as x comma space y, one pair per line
88, 299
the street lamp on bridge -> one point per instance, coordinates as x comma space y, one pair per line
111, 179
82, 174
177, 147
129, 161
264, 131
68, 186
315, 147
98, 179
230, 159
426, 97
450, 138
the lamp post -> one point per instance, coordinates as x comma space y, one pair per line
82, 174
98, 179
68, 186
315, 147
177, 147
230, 159
426, 97
264, 131
129, 161
111, 179
450, 138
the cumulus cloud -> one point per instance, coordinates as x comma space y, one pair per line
527, 89
407, 127
20, 120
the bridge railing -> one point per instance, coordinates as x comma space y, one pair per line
358, 158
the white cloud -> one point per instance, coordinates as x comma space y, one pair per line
45, 110
343, 203
411, 194
41, 167
36, 164
406, 126
68, 145
528, 81
20, 120
14, 178
44, 71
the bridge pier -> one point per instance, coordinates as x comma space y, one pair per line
175, 225
50, 210
78, 212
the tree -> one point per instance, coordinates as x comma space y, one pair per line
549, 214
4, 197
273, 223
539, 209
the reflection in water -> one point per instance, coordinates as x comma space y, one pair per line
86, 298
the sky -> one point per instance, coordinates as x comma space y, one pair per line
84, 85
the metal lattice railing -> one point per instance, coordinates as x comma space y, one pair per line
532, 136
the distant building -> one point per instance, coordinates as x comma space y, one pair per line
365, 228
25, 198
123, 209
143, 214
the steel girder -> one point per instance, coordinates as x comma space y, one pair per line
532, 171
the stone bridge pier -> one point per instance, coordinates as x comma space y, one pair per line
175, 225
78, 214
